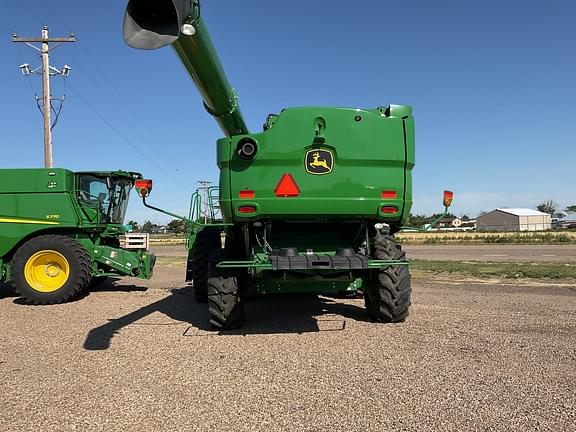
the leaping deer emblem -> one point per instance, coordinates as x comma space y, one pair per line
317, 162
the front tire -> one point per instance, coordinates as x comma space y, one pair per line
388, 291
51, 269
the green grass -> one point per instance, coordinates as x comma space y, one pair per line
474, 237
506, 270
516, 238
171, 261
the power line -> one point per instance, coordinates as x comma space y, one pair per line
115, 130
8, 29
103, 94
31, 12
149, 135
110, 84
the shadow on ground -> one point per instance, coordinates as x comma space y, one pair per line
264, 315
103, 285
7, 291
112, 285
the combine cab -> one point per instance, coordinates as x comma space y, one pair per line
310, 204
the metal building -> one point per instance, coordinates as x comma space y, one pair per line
507, 219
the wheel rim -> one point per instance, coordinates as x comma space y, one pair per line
47, 271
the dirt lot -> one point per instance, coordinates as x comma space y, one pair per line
138, 356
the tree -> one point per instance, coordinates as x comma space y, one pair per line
547, 206
417, 220
421, 220
135, 226
571, 208
147, 227
177, 226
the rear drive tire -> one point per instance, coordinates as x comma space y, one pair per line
225, 303
51, 269
387, 293
206, 240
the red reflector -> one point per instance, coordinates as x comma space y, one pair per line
389, 194
246, 194
389, 209
287, 187
246, 209
143, 183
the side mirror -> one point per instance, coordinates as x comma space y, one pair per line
109, 183
448, 196
143, 187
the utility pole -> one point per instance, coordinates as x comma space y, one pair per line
47, 71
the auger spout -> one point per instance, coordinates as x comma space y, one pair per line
154, 24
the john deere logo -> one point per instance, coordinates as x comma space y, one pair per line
319, 161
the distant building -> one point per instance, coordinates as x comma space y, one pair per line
449, 222
514, 220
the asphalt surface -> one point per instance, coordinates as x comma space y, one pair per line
512, 253
518, 253
138, 356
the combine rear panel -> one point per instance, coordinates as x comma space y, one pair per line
318, 163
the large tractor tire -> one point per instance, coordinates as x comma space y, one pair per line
225, 303
208, 239
51, 269
387, 293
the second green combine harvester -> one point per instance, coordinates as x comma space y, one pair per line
311, 204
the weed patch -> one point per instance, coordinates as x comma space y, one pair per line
507, 270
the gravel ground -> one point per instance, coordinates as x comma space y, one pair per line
139, 357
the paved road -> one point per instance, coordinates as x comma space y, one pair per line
470, 357
519, 253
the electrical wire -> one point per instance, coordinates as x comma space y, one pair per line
56, 111
115, 130
149, 135
30, 12
160, 149
8, 29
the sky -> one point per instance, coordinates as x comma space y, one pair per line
492, 85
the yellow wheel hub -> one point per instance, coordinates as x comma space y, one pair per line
47, 271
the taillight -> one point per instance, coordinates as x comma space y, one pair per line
389, 209
247, 209
143, 187
448, 197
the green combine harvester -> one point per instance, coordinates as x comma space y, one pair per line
308, 205
60, 232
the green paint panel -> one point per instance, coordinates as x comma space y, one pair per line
371, 150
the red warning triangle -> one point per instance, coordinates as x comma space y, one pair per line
287, 187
